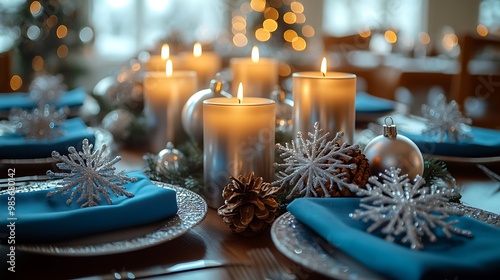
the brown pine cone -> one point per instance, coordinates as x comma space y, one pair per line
250, 205
358, 176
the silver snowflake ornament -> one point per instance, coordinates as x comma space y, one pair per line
91, 177
313, 163
46, 89
400, 208
40, 123
445, 120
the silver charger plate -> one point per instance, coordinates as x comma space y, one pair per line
192, 209
303, 246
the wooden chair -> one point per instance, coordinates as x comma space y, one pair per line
476, 87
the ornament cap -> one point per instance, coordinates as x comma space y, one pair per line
390, 130
216, 85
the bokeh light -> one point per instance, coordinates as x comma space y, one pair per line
240, 40
258, 5
424, 38
270, 24
34, 33
390, 36
262, 34
62, 51
299, 44
308, 31
284, 70
297, 7
482, 30
36, 8
37, 63
86, 34
271, 13
289, 18
16, 82
61, 31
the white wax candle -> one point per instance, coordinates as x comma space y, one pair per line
165, 96
238, 139
205, 64
259, 75
158, 62
327, 98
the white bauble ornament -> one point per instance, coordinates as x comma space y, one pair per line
192, 113
394, 150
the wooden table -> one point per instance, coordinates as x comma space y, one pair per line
210, 240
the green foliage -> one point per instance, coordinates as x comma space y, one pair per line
190, 173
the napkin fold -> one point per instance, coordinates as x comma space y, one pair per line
41, 219
456, 258
72, 98
15, 146
367, 103
484, 143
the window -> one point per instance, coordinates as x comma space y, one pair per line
124, 27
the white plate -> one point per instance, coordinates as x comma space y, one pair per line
303, 246
192, 210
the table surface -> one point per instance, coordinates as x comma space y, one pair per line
210, 240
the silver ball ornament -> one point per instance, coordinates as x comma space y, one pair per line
394, 150
118, 123
169, 159
192, 113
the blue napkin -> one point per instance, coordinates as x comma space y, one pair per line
456, 258
72, 98
366, 103
484, 143
41, 219
15, 146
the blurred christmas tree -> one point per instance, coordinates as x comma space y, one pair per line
278, 23
46, 32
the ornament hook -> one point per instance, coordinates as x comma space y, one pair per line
390, 130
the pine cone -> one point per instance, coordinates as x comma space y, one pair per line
358, 176
250, 205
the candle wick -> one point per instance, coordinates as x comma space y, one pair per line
239, 101
323, 74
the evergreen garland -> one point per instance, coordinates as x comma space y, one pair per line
190, 174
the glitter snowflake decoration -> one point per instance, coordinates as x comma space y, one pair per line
46, 89
400, 208
314, 163
445, 120
92, 176
40, 123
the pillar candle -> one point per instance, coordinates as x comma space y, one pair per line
158, 62
327, 98
205, 64
238, 139
165, 96
259, 75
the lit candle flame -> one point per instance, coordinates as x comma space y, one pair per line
239, 96
169, 68
165, 51
197, 50
323, 66
255, 54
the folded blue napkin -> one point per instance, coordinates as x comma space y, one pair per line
41, 219
366, 103
72, 98
456, 258
15, 146
484, 143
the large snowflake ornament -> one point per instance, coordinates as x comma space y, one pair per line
314, 163
445, 120
40, 123
92, 176
400, 208
46, 89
